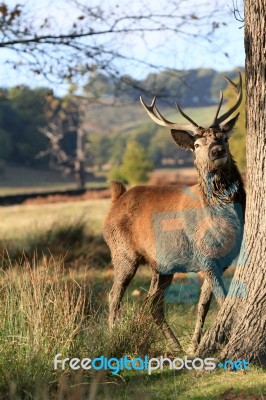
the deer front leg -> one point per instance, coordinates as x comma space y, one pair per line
203, 308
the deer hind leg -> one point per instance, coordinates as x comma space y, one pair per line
213, 284
155, 298
215, 280
124, 270
203, 308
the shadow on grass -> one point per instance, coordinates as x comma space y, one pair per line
70, 240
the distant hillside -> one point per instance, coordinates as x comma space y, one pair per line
125, 118
122, 111
192, 88
113, 118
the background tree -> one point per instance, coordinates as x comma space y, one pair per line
99, 148
7, 123
67, 136
135, 166
240, 328
28, 110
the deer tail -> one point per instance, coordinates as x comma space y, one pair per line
117, 189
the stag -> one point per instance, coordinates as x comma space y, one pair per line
177, 229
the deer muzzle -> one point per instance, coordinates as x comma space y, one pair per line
217, 154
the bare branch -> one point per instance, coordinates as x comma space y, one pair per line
95, 37
237, 14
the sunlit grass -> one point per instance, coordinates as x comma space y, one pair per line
20, 221
45, 310
41, 314
193, 385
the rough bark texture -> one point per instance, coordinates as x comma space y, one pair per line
240, 327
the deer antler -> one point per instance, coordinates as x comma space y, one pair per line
238, 89
157, 117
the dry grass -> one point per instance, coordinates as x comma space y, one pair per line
45, 310
18, 222
41, 314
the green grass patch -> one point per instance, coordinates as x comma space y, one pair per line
172, 385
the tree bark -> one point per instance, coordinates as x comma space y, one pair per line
80, 172
240, 328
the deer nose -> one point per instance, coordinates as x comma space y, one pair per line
217, 151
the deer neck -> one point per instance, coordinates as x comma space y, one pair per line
222, 186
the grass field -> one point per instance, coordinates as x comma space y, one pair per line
54, 285
34, 219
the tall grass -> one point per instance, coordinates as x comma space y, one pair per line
40, 313
45, 311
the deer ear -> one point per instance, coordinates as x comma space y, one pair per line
228, 126
183, 139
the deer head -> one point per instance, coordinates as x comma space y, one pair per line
209, 145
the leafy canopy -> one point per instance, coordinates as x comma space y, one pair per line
135, 166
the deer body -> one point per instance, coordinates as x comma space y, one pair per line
146, 212
178, 229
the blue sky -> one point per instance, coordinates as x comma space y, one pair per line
170, 50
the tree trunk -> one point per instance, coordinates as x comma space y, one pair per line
240, 328
80, 151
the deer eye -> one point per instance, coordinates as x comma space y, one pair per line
196, 145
